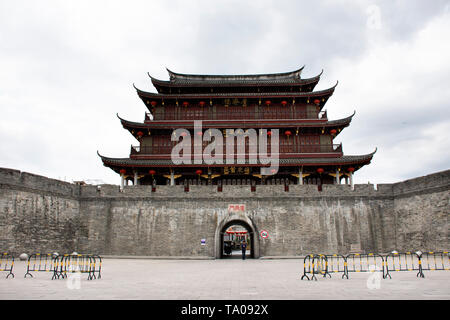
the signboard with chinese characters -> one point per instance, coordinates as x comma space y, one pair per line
236, 208
234, 170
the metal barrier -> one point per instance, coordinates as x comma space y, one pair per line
434, 261
7, 263
77, 263
369, 262
62, 265
97, 264
38, 262
308, 266
336, 263
314, 264
407, 261
320, 264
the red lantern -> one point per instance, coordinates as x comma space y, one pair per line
317, 101
199, 172
152, 172
283, 103
140, 134
202, 103
185, 103
333, 131
320, 170
269, 133
288, 133
268, 102
351, 169
123, 171
154, 103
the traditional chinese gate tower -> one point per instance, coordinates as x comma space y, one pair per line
283, 101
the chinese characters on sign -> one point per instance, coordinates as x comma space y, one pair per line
233, 170
236, 208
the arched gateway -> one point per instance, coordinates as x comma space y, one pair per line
240, 221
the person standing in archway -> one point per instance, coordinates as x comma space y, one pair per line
244, 249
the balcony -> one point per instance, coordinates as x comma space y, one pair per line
234, 113
284, 149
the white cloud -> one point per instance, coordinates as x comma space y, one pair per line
68, 68
400, 93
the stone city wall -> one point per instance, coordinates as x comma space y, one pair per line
38, 214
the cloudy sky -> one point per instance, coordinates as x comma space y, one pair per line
67, 68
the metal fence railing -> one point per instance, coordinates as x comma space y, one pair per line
7, 264
62, 265
314, 264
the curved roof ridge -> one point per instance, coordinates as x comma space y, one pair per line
345, 160
342, 120
137, 89
117, 114
145, 92
367, 155
184, 76
254, 94
111, 158
323, 90
132, 123
196, 82
125, 120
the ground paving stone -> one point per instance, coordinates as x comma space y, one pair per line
233, 279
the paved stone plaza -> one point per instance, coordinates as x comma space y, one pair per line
228, 279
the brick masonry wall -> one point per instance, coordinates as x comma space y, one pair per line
38, 214
422, 208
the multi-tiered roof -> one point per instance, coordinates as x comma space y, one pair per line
282, 101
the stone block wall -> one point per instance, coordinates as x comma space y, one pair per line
422, 209
38, 214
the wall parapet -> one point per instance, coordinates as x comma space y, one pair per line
431, 183
41, 213
33, 182
24, 180
237, 191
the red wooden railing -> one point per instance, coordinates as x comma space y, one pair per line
234, 113
283, 148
